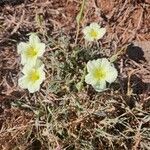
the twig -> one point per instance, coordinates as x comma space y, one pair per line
19, 23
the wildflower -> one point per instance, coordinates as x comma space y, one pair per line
31, 50
33, 77
100, 71
93, 32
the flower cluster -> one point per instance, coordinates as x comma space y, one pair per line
33, 70
100, 71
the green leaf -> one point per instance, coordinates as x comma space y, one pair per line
79, 85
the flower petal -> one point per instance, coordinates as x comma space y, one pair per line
23, 59
100, 86
39, 64
92, 64
101, 33
27, 60
28, 67
88, 38
33, 87
41, 48
86, 31
21, 47
94, 26
33, 39
111, 74
89, 79
42, 78
105, 63
42, 75
22, 82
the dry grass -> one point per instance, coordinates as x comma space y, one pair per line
68, 114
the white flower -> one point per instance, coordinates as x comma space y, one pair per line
33, 77
93, 32
100, 71
31, 50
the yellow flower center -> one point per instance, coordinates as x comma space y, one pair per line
31, 52
33, 76
99, 74
93, 33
